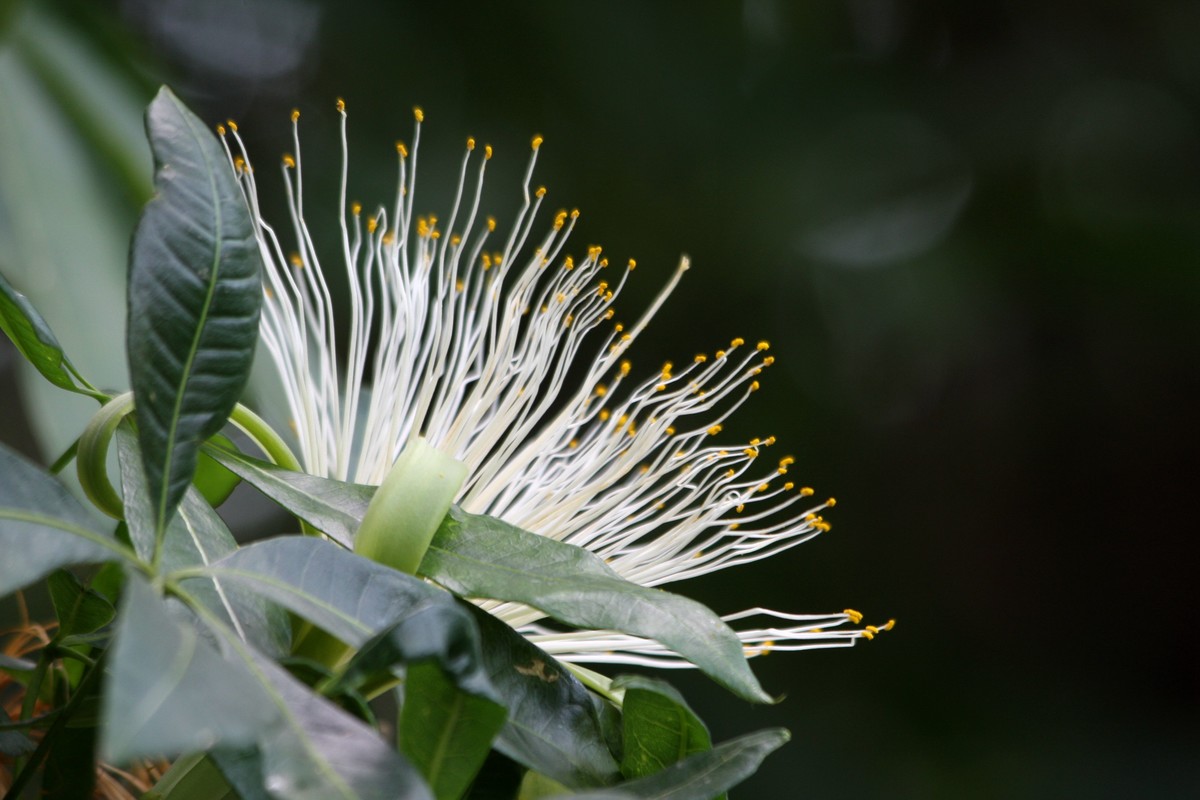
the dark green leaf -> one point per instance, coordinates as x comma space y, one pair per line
445, 731
33, 337
345, 594
478, 556
699, 777
80, 610
659, 728
333, 507
168, 693
196, 537
42, 527
194, 300
554, 724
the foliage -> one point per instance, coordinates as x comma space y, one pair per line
252, 667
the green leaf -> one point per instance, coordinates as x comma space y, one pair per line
42, 527
699, 777
13, 743
194, 300
659, 728
196, 537
333, 507
446, 732
80, 610
168, 692
214, 482
554, 724
479, 556
33, 337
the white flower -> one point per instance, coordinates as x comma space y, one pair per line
475, 339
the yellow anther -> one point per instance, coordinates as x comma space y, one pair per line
594, 251
756, 441
356, 208
662, 387
574, 443
891, 623
740, 508
871, 628
670, 431
459, 285
831, 502
735, 526
601, 390
574, 213
754, 386
770, 441
632, 264
401, 149
609, 315
267, 291
296, 260
738, 342
626, 337
455, 240
491, 225
435, 235
855, 616
295, 115
756, 371
787, 487
763, 345
487, 151
762, 487
603, 263
372, 224
604, 415
715, 429
730, 473
868, 635
418, 114
239, 164
601, 287
485, 261
719, 355
626, 367
341, 106
541, 192
644, 468
750, 452
389, 238
722, 454
232, 125
470, 143
560, 219
220, 130
537, 142
786, 461
288, 161
768, 361
806, 491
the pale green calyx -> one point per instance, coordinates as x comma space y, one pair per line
409, 506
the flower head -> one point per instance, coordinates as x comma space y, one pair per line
500, 346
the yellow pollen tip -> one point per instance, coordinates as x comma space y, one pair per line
288, 161
604, 415
729, 473
296, 260
868, 635
768, 361
750, 452
573, 444
418, 114
541, 192
574, 213
626, 367
536, 142
754, 386
232, 125
632, 264
487, 151
787, 487
714, 430
491, 224
372, 224
734, 526
220, 130
831, 502
855, 616
601, 390
662, 387
618, 327
891, 623
807, 491
470, 143
700, 358
295, 115
762, 487
738, 342
740, 508
341, 106
787, 461
670, 431
764, 345
356, 208
719, 354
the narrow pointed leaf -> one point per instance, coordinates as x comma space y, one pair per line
196, 537
479, 556
79, 609
34, 339
332, 507
194, 300
554, 724
42, 527
701, 776
445, 731
168, 692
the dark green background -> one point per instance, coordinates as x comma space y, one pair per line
971, 233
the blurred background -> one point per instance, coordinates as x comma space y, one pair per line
971, 233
